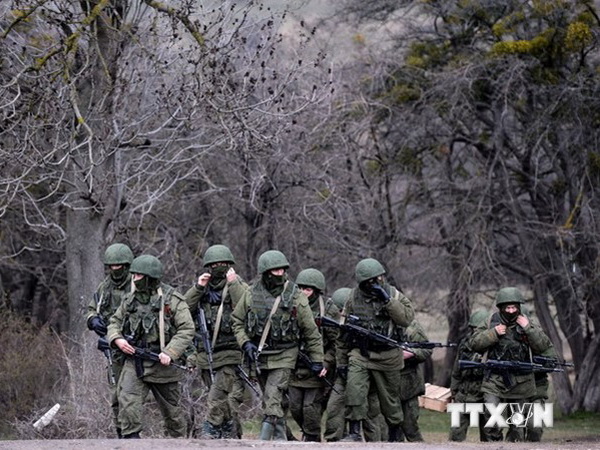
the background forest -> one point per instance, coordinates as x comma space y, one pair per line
455, 141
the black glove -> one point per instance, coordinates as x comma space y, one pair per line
212, 297
98, 325
103, 344
316, 368
380, 293
250, 351
342, 371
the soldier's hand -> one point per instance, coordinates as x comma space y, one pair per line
250, 349
522, 321
165, 359
124, 346
342, 371
406, 354
500, 329
380, 293
317, 368
98, 325
204, 279
231, 275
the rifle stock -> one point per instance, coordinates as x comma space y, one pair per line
105, 348
206, 341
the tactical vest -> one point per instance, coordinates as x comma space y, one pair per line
111, 296
141, 320
467, 354
226, 338
374, 316
513, 346
284, 332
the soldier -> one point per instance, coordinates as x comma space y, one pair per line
383, 309
335, 412
307, 392
465, 384
104, 303
226, 393
509, 336
272, 316
412, 382
155, 318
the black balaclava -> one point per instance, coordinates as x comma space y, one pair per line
512, 317
145, 287
218, 276
119, 275
274, 283
367, 286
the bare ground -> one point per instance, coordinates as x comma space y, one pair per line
171, 444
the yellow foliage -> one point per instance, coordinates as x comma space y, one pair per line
578, 36
359, 38
521, 47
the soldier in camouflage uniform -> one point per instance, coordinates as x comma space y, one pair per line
154, 317
413, 382
104, 303
226, 394
465, 384
307, 392
273, 315
383, 309
509, 336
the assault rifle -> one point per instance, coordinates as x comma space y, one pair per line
246, 379
206, 341
104, 347
142, 354
506, 368
309, 363
551, 362
429, 345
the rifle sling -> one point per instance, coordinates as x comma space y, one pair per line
219, 318
161, 320
265, 334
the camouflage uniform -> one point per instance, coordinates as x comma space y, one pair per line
465, 384
517, 344
307, 392
413, 383
138, 318
385, 310
291, 320
226, 393
103, 305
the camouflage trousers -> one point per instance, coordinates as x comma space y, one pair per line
225, 396
336, 412
274, 384
460, 434
410, 425
385, 385
306, 406
133, 390
117, 368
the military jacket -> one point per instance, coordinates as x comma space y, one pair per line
517, 344
302, 376
139, 321
389, 320
292, 320
226, 350
107, 298
465, 384
412, 381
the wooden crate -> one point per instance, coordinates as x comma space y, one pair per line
436, 398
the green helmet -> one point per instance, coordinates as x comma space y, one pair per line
367, 269
311, 278
340, 296
218, 253
509, 295
147, 265
117, 254
478, 318
272, 259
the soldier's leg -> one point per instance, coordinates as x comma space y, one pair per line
131, 393
275, 385
410, 425
494, 433
357, 388
335, 412
372, 425
235, 399
459, 433
388, 391
117, 368
313, 413
515, 433
168, 397
217, 404
295, 403
534, 434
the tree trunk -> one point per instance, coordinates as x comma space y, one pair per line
587, 386
85, 241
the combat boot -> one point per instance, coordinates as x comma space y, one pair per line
310, 438
135, 435
354, 433
280, 430
268, 428
395, 434
210, 431
227, 430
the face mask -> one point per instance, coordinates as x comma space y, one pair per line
218, 273
274, 283
144, 285
119, 275
510, 317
